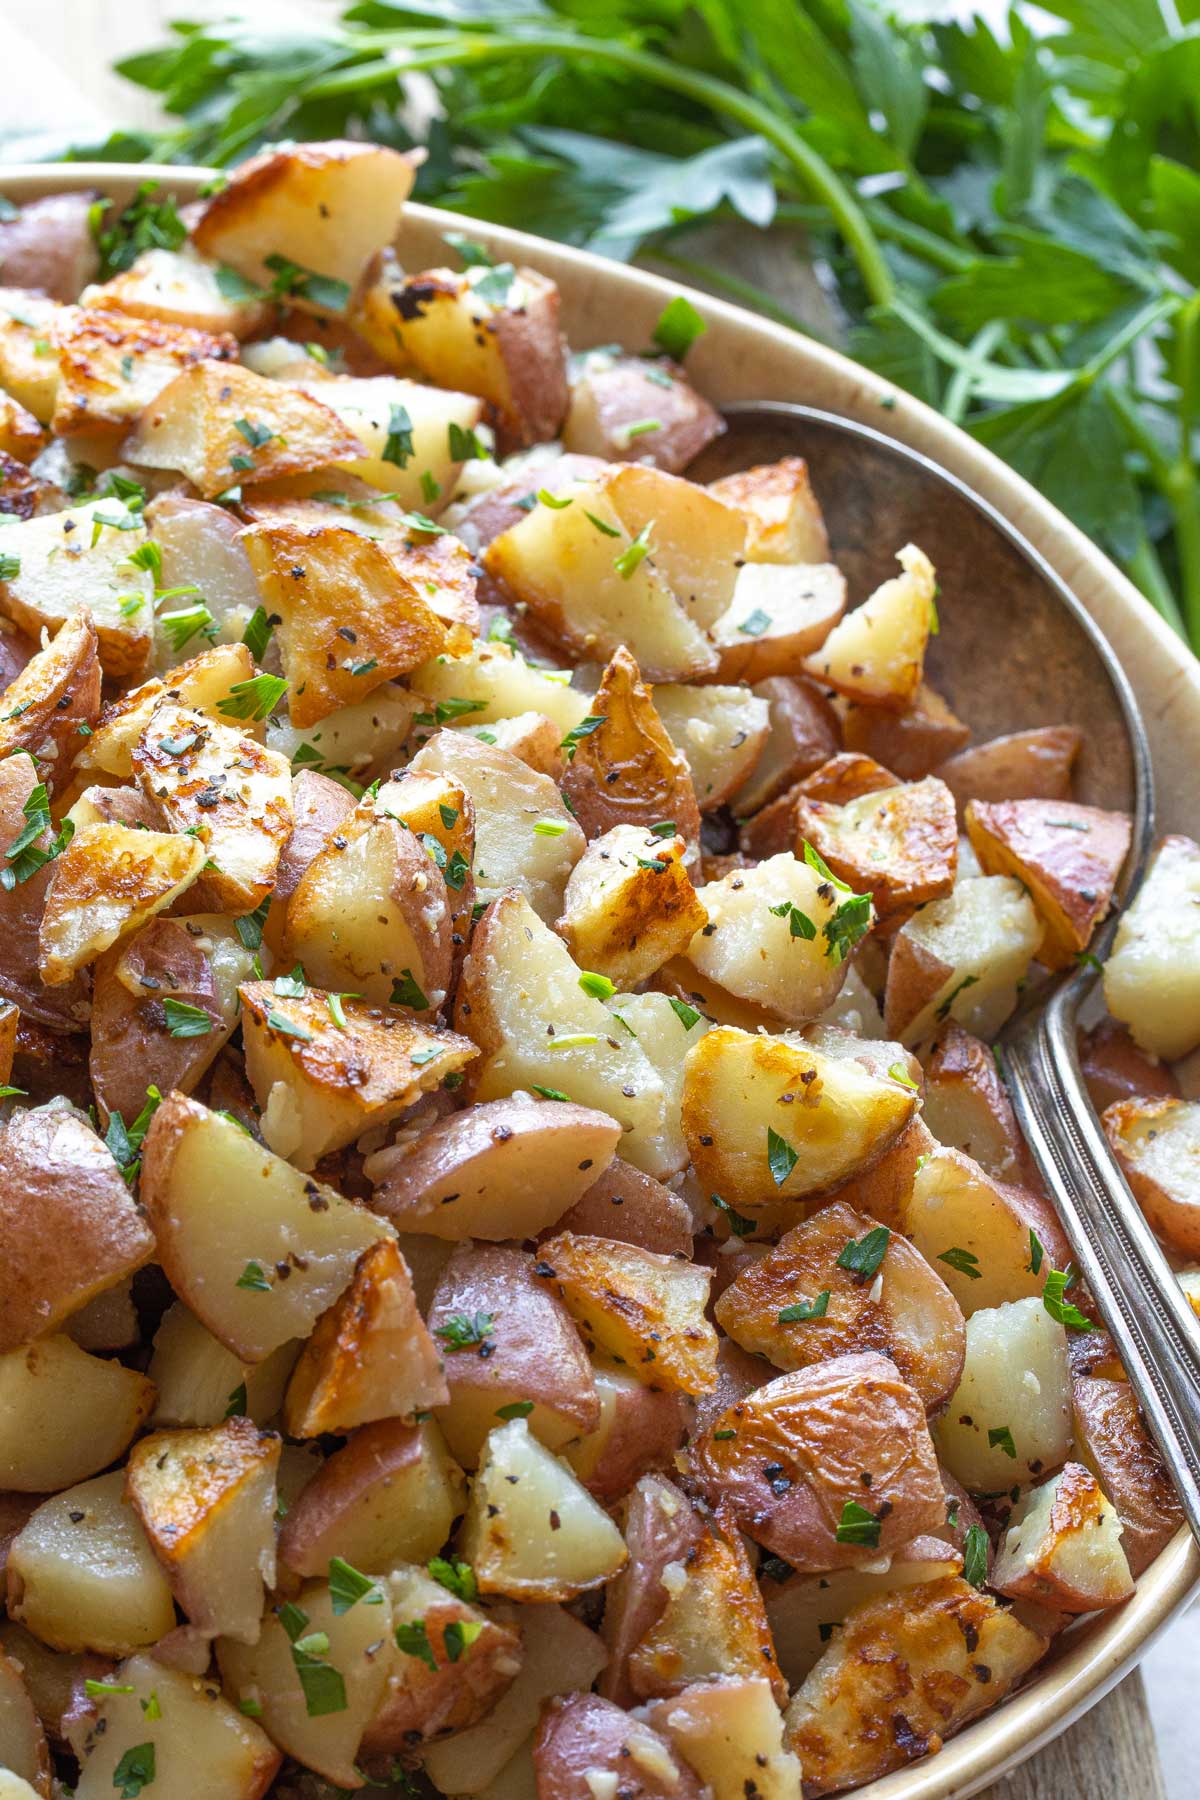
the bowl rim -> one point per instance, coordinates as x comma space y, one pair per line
1091, 1660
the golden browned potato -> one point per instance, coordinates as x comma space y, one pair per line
500, 684
1116, 1068
223, 426
370, 1356
319, 806
200, 683
341, 1657
975, 1231
305, 210
877, 653
80, 558
803, 733
532, 1531
779, 615
1156, 1143
584, 1741
21, 437
231, 794
633, 1208
112, 365
802, 1303
65, 1414
730, 1731
899, 845
905, 1671
644, 1310
56, 692
491, 331
105, 885
1063, 1547
1025, 765
23, 1751
828, 1466
83, 1576
1152, 978
720, 732
1010, 1417
697, 541
640, 1428
206, 1501
521, 1000
455, 1662
778, 936
784, 523
912, 743
626, 408
348, 584
1110, 1436
961, 958
68, 1222
325, 1068
195, 962
627, 771
230, 1218
714, 1623
575, 566
1067, 856
180, 288
371, 916
662, 1529
771, 1118
629, 905
510, 1350
845, 777
503, 1169
26, 371
966, 1106
389, 1495
195, 1727
22, 494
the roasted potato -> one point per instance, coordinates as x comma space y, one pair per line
112, 365
778, 617
899, 845
1063, 1547
1025, 765
198, 1379
503, 1169
1152, 977
48, 245
877, 653
65, 1414
1111, 1438
729, 1730
582, 1739
825, 1464
961, 958
912, 743
377, 409
803, 733
640, 1428
107, 882
1116, 1068
633, 1208
978, 1233
24, 1755
178, 287
56, 693
201, 683
68, 1222
966, 1106
28, 366
951, 1653
230, 1218
720, 731
83, 558
641, 1309
455, 1662
532, 1532
629, 905
1156, 1143
662, 1531
800, 1304
626, 771
1067, 857
626, 408
1010, 1417
714, 1623
784, 523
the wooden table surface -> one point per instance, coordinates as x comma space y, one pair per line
57, 56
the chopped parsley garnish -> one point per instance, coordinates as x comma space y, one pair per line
473, 254
398, 445
463, 1331
25, 855
257, 634
277, 1021
804, 1310
185, 1020
556, 502
584, 729
598, 986
1058, 1306
254, 699
943, 1009
781, 1158
293, 986
148, 222
10, 567
799, 923
413, 1640
456, 708
496, 285
255, 435
347, 1587
250, 926
238, 1402
687, 1015
849, 924
458, 1636
464, 446
739, 1224
635, 553
551, 828
678, 327
1001, 1438
449, 816
306, 284
125, 1141
135, 1771
602, 527
322, 1684
965, 1261
518, 1409
336, 1011
459, 1577
975, 1556
407, 992
254, 1277
665, 828
755, 623
1036, 1252
858, 1526
573, 1040
184, 623
864, 1257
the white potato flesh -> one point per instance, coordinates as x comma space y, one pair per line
955, 1205
1010, 1416
64, 1414
698, 540
198, 1378
524, 836
563, 565
752, 949
532, 1531
360, 1649
1063, 1546
194, 1727
729, 1730
961, 958
664, 1030
525, 979
352, 737
108, 881
501, 684
778, 615
720, 730
220, 1204
199, 545
82, 1574
877, 652
1152, 977
23, 1750
61, 569
181, 288
1157, 1143
560, 1656
629, 905
366, 404
804, 1609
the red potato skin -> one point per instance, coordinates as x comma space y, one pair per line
961, 1514
319, 806
1072, 854
22, 496
957, 1056
49, 1063
131, 1040
912, 743
583, 1735
1025, 765
660, 1527
921, 862
56, 692
371, 1458
632, 1208
738, 1374
1114, 1068
420, 1703
821, 1429
62, 1008
625, 394
49, 247
650, 1425
1112, 1440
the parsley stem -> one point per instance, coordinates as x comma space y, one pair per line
411, 52
957, 397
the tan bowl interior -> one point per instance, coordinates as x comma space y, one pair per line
745, 358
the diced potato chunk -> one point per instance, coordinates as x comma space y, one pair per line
784, 523
81, 558
729, 1730
877, 653
1152, 977
201, 683
106, 884
230, 1218
1010, 1417
181, 288
56, 694
500, 684
1111, 1438
1068, 858
628, 408
720, 730
112, 365
82, 1574
976, 1232
912, 743
1024, 765
778, 617
629, 906
899, 844
1063, 1547
198, 1379
625, 769
531, 1531
640, 1308
961, 958
24, 1756
64, 1414
585, 1742
372, 408
206, 1501
455, 1662
771, 1118
714, 1623
804, 1611
1157, 1143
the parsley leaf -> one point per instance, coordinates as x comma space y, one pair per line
864, 1257
134, 1771
857, 1526
804, 1310
347, 1587
678, 327
464, 1331
781, 1158
975, 1556
964, 1261
459, 1577
1001, 1438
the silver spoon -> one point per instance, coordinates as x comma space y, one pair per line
1019, 651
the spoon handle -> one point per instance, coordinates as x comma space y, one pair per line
1142, 1304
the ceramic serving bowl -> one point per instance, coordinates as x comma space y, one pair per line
743, 358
